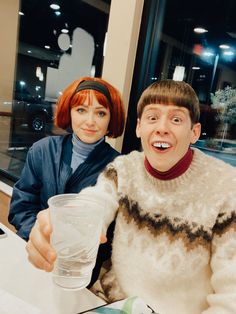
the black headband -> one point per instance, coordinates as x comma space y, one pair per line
95, 85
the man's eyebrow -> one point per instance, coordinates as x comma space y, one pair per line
150, 107
182, 110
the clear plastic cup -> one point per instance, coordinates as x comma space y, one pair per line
77, 227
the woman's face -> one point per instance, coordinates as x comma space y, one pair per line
90, 122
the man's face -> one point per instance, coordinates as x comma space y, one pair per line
166, 133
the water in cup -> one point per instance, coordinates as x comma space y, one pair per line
77, 226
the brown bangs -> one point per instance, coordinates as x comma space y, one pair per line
168, 92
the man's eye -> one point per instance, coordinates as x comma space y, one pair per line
177, 120
152, 117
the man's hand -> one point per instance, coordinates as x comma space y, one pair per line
103, 239
40, 252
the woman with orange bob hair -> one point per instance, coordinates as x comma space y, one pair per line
75, 94
92, 109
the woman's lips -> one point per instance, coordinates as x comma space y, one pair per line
89, 131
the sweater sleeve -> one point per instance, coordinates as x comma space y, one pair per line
25, 201
223, 262
105, 191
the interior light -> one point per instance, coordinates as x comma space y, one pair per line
105, 45
228, 53
195, 68
224, 46
57, 13
65, 31
21, 13
41, 77
179, 73
200, 30
38, 71
22, 83
93, 71
54, 6
208, 54
29, 51
47, 47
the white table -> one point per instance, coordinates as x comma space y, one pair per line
19, 278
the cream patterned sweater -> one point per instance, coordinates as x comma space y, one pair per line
174, 241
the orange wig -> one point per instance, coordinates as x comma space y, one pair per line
71, 98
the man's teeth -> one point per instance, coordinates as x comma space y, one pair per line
161, 145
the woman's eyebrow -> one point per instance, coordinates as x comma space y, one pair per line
82, 105
101, 107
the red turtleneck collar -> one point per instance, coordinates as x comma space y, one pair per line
174, 172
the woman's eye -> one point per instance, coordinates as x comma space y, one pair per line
80, 110
101, 114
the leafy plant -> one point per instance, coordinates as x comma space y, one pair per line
212, 143
224, 100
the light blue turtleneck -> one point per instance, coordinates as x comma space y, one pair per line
80, 151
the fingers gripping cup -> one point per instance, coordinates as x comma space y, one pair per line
77, 227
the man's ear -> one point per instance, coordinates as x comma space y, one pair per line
196, 132
138, 128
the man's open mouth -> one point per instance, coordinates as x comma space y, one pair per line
161, 145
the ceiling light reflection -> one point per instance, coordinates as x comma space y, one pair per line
54, 6
208, 54
200, 30
224, 46
228, 53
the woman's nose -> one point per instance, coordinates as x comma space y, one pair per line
90, 118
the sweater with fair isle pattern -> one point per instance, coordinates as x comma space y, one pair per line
174, 241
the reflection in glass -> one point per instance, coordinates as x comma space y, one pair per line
56, 45
197, 44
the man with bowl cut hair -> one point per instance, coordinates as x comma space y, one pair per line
175, 235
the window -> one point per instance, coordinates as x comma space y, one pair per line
192, 41
56, 45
